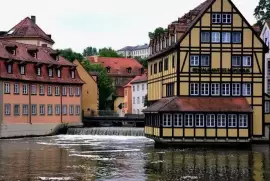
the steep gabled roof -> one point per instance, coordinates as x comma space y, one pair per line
27, 28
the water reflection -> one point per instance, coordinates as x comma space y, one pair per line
103, 158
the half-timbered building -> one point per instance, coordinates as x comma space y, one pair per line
206, 78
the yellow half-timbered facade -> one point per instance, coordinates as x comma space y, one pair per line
206, 78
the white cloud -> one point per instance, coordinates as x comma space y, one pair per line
118, 23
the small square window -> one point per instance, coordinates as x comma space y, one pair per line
22, 69
227, 18
237, 37
38, 71
58, 73
9, 68
205, 37
34, 109
216, 18
72, 74
16, 110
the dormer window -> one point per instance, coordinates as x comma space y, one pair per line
22, 69
129, 70
11, 49
38, 71
50, 72
108, 69
55, 55
58, 73
13, 52
32, 51
9, 68
72, 74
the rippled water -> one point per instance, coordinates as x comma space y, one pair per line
119, 158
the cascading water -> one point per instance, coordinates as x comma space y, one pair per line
120, 131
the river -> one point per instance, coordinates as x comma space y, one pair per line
124, 158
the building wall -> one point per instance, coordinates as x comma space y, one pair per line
139, 91
266, 38
127, 100
220, 58
12, 99
36, 41
89, 89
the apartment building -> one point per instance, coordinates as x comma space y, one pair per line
142, 51
139, 92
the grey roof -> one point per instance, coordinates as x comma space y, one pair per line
131, 48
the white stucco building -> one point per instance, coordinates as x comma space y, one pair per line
139, 91
142, 51
265, 36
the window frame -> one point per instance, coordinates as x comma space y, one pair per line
57, 109
42, 113
16, 88
192, 89
221, 120
199, 120
189, 120
216, 37
233, 35
7, 88
216, 18
7, 109
33, 109
25, 89
210, 120
18, 111
232, 123
243, 123
178, 120
167, 120
49, 108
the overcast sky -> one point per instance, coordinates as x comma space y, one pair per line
103, 23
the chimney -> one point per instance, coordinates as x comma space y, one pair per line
33, 18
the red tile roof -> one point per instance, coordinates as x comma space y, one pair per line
200, 104
129, 84
142, 78
44, 59
118, 66
27, 28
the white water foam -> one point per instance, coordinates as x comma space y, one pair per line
55, 178
94, 157
110, 151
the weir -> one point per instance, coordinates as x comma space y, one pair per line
112, 131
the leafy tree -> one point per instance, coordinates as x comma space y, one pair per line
108, 52
157, 31
262, 12
90, 51
104, 82
70, 55
142, 61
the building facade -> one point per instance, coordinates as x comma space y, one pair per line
28, 32
206, 78
128, 97
142, 51
139, 92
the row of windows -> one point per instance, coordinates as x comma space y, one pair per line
204, 61
139, 100
42, 109
202, 120
16, 89
217, 89
223, 18
144, 86
162, 65
38, 71
221, 37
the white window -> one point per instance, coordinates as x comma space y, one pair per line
199, 120
194, 89
16, 110
246, 89
205, 60
134, 100
38, 71
204, 89
50, 109
64, 109
57, 90
236, 89
138, 100
221, 120
22, 70
210, 120
215, 89
42, 109
246, 61
236, 61
33, 89
142, 86
71, 109
7, 88
216, 37
78, 110
194, 60
7, 109
72, 74
77, 91
267, 107
167, 120
243, 120
71, 91
49, 90
25, 89
58, 73
41, 89
226, 37
50, 72
34, 109
9, 68
216, 18
133, 88
25, 109
205, 37
188, 120
232, 120
226, 18
138, 87
64, 91
226, 89
178, 120
16, 89
236, 37
57, 109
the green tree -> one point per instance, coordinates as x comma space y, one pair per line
104, 82
70, 55
262, 12
108, 52
157, 31
142, 61
90, 51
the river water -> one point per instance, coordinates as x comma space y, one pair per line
123, 158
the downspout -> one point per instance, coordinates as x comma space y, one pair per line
30, 104
61, 102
